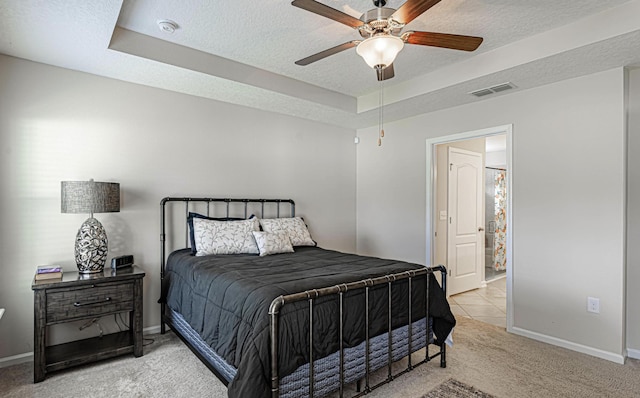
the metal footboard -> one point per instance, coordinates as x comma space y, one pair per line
340, 290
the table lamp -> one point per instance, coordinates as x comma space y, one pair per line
91, 241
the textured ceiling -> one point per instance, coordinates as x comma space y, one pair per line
271, 35
244, 52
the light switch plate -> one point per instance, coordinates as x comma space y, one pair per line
443, 215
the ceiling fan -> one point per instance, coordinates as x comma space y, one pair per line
381, 29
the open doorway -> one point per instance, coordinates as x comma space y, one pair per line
490, 226
495, 193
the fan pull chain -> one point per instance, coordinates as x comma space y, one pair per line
381, 114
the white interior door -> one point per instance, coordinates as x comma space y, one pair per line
465, 232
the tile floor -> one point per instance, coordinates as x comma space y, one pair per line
487, 304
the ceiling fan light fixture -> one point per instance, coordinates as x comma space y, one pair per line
380, 50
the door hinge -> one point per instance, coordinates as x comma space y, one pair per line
449, 220
450, 166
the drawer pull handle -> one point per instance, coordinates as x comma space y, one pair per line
78, 304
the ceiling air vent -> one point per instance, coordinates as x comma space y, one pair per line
482, 92
494, 89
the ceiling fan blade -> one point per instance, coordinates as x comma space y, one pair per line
386, 73
326, 11
326, 53
412, 9
444, 40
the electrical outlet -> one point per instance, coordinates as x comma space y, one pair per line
593, 305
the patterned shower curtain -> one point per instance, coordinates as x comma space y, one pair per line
500, 237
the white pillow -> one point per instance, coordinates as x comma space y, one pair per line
295, 227
225, 237
273, 242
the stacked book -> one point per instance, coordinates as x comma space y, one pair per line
48, 272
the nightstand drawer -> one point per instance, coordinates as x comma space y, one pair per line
95, 300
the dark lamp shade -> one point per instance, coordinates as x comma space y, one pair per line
90, 197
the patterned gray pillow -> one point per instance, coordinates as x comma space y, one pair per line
273, 242
225, 237
295, 227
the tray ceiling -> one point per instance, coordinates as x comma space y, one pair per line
244, 52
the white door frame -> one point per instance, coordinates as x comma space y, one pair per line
431, 210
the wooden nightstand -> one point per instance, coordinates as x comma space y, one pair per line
77, 297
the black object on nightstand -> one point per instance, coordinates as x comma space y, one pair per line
122, 261
86, 296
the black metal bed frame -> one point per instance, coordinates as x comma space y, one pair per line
312, 295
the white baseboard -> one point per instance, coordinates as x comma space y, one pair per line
28, 356
609, 356
16, 359
633, 353
151, 329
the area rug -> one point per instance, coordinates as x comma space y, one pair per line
454, 388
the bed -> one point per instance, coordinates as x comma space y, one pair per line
292, 322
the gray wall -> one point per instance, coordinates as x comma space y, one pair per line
59, 125
633, 216
568, 177
568, 193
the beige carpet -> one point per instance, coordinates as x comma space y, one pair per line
483, 356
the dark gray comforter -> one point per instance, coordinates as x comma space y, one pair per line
226, 300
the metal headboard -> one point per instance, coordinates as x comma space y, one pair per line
212, 204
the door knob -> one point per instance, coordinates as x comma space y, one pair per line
480, 229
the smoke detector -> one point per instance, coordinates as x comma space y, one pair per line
167, 26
